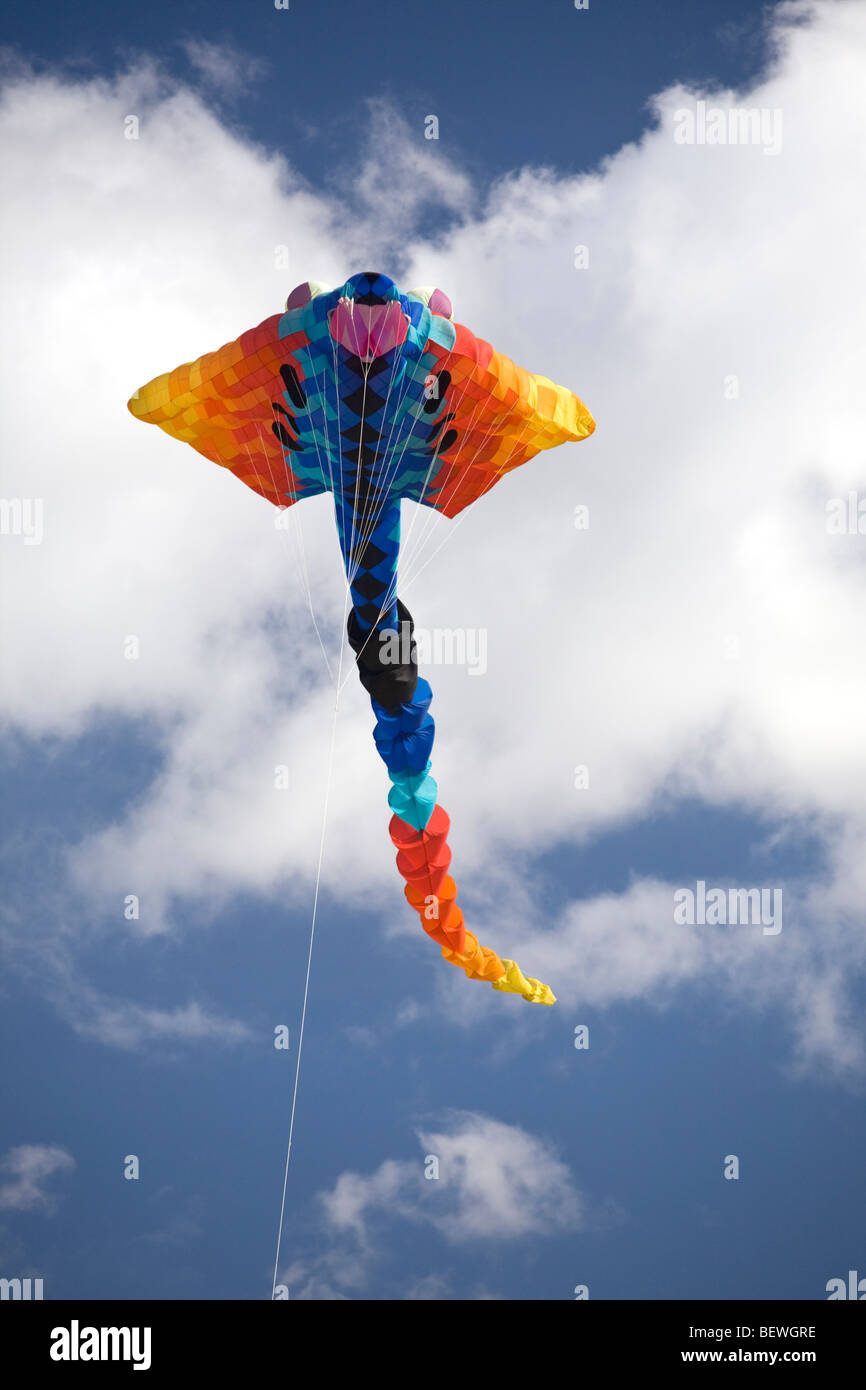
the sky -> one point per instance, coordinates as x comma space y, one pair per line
669, 692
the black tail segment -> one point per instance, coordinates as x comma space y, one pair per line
388, 681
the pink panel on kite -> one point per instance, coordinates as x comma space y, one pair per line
299, 296
440, 304
368, 330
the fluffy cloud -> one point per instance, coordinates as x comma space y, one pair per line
495, 1183
222, 67
29, 1166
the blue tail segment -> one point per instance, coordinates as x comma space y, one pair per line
404, 736
404, 729
369, 532
404, 740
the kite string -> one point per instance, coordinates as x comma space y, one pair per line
299, 554
391, 469
414, 556
360, 524
488, 428
409, 553
309, 962
318, 882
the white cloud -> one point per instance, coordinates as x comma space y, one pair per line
496, 1183
433, 1288
29, 1166
124, 1024
701, 638
402, 177
46, 958
221, 66
326, 1277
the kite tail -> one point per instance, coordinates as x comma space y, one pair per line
419, 826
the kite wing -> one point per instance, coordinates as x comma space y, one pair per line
224, 405
499, 415
466, 416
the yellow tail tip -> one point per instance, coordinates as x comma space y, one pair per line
513, 982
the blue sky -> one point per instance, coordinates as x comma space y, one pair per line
518, 85
699, 648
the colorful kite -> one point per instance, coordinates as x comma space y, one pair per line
374, 396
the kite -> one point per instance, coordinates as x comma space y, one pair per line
374, 396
